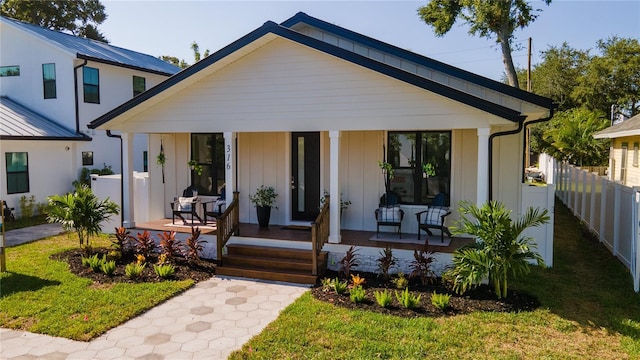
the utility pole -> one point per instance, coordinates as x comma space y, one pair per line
527, 158
3, 261
529, 67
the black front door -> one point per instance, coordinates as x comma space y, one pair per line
305, 175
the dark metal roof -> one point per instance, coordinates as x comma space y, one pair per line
285, 32
628, 127
17, 122
99, 51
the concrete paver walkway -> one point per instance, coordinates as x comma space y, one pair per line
209, 321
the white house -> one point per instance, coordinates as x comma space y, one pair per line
52, 84
307, 106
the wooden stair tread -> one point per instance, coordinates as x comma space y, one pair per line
267, 274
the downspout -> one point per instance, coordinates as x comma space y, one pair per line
75, 84
109, 134
491, 137
524, 153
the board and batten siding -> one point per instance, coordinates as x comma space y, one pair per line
284, 86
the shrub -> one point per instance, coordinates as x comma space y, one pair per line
94, 262
193, 246
340, 287
356, 280
440, 301
356, 294
407, 299
27, 206
114, 255
164, 271
349, 261
169, 246
383, 298
401, 281
122, 239
144, 244
421, 266
327, 284
108, 267
501, 249
42, 208
134, 270
386, 261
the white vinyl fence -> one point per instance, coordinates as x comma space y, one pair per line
609, 209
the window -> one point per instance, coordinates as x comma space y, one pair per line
91, 82
87, 158
208, 151
17, 172
145, 161
10, 70
139, 85
410, 154
635, 154
49, 80
623, 163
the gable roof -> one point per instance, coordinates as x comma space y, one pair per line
285, 32
629, 127
98, 51
18, 122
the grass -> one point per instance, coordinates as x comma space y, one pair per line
589, 311
20, 223
40, 295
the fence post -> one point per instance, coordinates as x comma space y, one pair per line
635, 246
603, 208
583, 201
616, 220
592, 202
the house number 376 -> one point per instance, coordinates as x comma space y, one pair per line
228, 160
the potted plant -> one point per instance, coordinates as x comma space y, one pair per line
263, 200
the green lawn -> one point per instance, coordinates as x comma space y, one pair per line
589, 311
40, 295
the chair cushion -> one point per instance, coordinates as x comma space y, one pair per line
185, 203
433, 215
389, 214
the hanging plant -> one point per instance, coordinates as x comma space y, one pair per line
194, 166
161, 159
428, 170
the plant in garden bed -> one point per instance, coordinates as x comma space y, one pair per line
340, 287
193, 246
501, 249
134, 270
357, 294
356, 280
407, 299
169, 246
108, 267
349, 261
386, 261
440, 301
94, 262
421, 266
164, 271
144, 244
400, 281
122, 240
383, 298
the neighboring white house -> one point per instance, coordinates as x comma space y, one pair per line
306, 105
52, 84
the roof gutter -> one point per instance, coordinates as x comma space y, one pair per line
126, 66
524, 143
75, 84
109, 134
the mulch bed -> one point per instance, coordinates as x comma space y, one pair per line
480, 299
198, 271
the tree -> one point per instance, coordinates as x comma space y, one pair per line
486, 18
181, 63
501, 249
79, 17
82, 212
569, 137
613, 77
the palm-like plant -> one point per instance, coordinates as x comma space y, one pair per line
82, 212
500, 250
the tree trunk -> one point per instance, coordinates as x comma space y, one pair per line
507, 60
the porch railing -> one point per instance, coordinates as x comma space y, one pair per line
319, 235
227, 224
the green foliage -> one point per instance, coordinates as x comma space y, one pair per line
407, 299
349, 261
500, 250
108, 267
27, 206
195, 167
144, 244
78, 17
82, 212
421, 266
85, 175
327, 284
122, 239
94, 262
42, 208
164, 271
193, 246
340, 287
114, 255
487, 18
357, 294
134, 270
440, 301
400, 281
386, 261
169, 246
264, 196
383, 298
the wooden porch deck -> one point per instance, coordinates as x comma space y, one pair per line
280, 232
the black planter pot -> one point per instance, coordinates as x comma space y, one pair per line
264, 213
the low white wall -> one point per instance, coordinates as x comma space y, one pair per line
110, 186
541, 197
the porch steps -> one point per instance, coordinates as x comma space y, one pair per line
270, 263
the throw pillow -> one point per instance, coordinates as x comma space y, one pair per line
433, 216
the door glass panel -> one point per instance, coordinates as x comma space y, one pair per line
300, 187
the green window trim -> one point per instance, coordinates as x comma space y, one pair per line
49, 80
91, 84
17, 167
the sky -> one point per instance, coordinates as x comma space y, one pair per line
158, 27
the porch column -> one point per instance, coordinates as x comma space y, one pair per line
230, 164
482, 192
334, 187
127, 181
